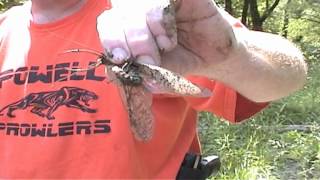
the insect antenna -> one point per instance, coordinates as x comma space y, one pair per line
105, 59
91, 66
101, 59
83, 50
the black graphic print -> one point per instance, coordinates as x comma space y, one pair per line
44, 104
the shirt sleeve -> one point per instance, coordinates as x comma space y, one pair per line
224, 102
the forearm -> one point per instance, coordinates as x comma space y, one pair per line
262, 67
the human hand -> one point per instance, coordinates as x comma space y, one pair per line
187, 37
197, 38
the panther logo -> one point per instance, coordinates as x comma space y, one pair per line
71, 97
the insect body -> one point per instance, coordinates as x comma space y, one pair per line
128, 74
137, 83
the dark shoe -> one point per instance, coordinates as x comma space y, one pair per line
197, 167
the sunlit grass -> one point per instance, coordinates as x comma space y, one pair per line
264, 147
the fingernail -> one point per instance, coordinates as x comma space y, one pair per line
119, 55
164, 43
146, 60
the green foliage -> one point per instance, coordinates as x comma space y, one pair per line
262, 148
5, 4
304, 25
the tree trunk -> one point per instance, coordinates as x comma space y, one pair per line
255, 16
228, 6
268, 10
286, 21
257, 19
244, 16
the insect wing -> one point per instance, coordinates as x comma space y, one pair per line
138, 102
162, 81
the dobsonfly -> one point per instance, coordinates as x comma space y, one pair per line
137, 84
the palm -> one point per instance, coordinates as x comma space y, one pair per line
203, 36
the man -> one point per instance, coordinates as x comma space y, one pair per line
58, 124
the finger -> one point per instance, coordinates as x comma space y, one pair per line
199, 9
140, 40
145, 59
161, 21
112, 36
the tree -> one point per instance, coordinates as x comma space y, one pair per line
228, 6
286, 21
245, 9
253, 13
256, 17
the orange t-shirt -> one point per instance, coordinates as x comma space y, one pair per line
54, 124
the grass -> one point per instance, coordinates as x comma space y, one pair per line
264, 147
